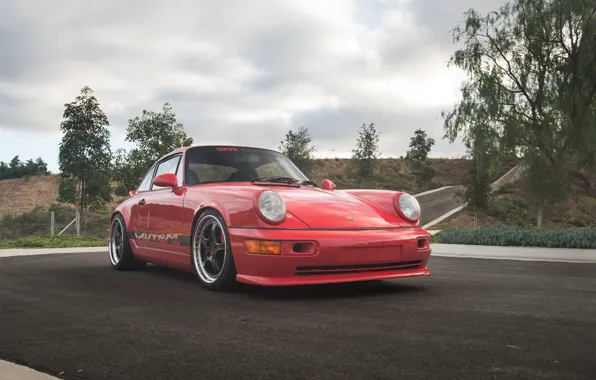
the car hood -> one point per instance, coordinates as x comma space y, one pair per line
319, 208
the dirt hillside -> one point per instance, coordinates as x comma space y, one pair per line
24, 194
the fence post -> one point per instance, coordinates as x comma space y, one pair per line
51, 223
78, 223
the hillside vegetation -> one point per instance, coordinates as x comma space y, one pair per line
510, 206
25, 203
24, 194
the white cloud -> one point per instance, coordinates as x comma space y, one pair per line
235, 72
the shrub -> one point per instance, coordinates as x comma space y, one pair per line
56, 242
507, 188
513, 212
515, 236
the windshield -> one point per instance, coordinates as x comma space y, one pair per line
223, 164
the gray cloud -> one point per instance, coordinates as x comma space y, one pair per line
237, 72
17, 50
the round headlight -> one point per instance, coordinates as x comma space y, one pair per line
271, 206
409, 207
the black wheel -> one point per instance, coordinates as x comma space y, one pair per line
212, 258
121, 256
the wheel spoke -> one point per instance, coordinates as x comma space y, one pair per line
204, 242
214, 231
215, 265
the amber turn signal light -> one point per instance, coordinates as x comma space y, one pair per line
263, 247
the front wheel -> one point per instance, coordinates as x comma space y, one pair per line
212, 258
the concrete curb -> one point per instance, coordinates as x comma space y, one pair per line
49, 251
511, 174
556, 255
432, 191
444, 216
11, 371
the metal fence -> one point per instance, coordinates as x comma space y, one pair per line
53, 223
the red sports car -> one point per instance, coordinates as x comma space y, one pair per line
230, 213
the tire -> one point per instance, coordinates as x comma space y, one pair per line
212, 271
119, 250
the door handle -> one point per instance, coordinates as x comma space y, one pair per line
141, 202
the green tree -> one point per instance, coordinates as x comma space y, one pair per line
297, 146
366, 152
17, 169
420, 146
41, 167
155, 135
477, 185
530, 82
85, 155
542, 180
4, 170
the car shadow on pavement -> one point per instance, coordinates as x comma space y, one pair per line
288, 293
331, 291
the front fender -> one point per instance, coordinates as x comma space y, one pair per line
239, 213
381, 198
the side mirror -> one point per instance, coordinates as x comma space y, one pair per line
166, 180
328, 184
132, 193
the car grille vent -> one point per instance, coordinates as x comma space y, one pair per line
360, 268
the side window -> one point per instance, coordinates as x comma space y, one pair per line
179, 175
167, 166
146, 183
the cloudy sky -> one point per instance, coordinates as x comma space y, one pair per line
235, 72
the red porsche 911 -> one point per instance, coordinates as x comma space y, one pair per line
237, 214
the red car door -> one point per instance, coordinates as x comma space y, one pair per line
139, 218
163, 209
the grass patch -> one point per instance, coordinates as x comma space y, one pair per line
590, 201
55, 242
584, 237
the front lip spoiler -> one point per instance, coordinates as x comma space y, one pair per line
326, 229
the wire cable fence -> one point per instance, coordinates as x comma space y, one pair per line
53, 222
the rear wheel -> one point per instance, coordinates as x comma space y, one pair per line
121, 256
212, 258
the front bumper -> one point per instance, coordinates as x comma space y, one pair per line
338, 255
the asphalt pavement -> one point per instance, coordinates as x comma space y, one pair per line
72, 315
437, 204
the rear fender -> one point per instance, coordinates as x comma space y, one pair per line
124, 210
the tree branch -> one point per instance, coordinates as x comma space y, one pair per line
515, 79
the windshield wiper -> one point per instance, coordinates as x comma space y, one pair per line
308, 183
280, 179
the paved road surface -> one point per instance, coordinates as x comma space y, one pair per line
437, 204
473, 319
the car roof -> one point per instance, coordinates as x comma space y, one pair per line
184, 149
